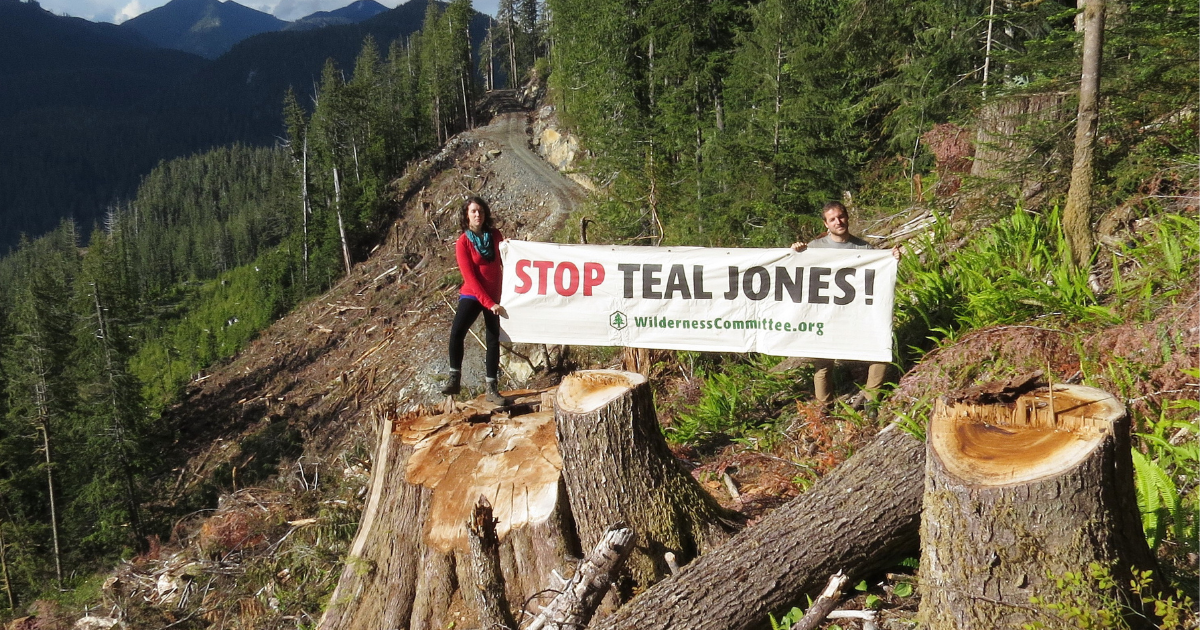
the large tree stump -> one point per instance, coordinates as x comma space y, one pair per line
1018, 493
617, 467
862, 517
411, 555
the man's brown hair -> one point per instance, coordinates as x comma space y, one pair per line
833, 205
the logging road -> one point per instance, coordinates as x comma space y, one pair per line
527, 176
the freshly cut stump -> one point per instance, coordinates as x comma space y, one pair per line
617, 468
411, 555
1018, 493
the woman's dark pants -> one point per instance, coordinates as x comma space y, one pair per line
468, 311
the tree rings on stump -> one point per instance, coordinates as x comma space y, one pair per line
1020, 492
411, 557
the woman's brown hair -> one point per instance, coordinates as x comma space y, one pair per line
487, 213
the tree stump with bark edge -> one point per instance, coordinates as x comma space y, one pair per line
617, 467
408, 561
1018, 493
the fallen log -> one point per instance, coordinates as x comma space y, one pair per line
574, 606
617, 467
1018, 493
864, 516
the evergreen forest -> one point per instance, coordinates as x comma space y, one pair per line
724, 123
103, 325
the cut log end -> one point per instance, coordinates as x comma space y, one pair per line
1039, 435
513, 462
584, 392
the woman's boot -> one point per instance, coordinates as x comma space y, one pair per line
493, 393
454, 385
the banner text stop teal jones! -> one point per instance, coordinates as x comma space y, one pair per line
799, 285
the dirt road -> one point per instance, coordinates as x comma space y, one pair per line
521, 182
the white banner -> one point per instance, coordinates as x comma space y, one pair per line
823, 303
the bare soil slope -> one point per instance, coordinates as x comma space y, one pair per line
377, 339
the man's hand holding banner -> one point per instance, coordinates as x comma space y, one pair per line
821, 303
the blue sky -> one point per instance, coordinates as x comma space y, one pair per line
118, 11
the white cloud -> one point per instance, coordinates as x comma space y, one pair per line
95, 10
131, 10
295, 9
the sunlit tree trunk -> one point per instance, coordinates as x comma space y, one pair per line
1077, 222
337, 204
119, 418
304, 205
50, 493
4, 572
42, 423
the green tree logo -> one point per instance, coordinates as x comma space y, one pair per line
618, 320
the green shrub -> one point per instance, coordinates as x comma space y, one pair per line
1015, 271
740, 399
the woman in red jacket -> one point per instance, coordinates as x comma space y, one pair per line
477, 251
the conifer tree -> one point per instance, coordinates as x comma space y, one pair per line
457, 29
506, 16
42, 399
112, 423
297, 129
527, 18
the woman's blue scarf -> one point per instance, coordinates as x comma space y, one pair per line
483, 244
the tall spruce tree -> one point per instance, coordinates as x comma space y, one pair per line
42, 399
112, 426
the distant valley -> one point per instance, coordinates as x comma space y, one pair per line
90, 108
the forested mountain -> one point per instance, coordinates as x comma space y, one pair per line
356, 11
732, 121
246, 85
78, 123
948, 130
95, 107
95, 341
202, 27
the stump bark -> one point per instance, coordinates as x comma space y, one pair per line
410, 557
862, 517
486, 575
617, 467
1019, 493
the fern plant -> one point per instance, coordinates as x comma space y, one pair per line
1158, 498
1172, 455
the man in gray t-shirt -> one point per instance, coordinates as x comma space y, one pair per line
837, 221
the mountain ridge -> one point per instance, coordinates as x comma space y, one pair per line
353, 13
80, 125
208, 28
